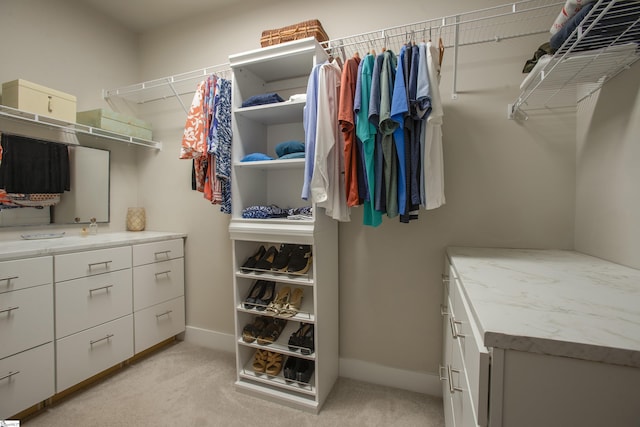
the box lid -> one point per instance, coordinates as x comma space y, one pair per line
39, 88
92, 118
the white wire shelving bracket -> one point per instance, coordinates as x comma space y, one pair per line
175, 86
602, 46
72, 129
494, 24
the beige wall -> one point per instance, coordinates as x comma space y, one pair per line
508, 183
608, 155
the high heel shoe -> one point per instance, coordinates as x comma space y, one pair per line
281, 300
251, 262
266, 261
274, 363
292, 307
300, 261
267, 296
281, 261
296, 339
256, 291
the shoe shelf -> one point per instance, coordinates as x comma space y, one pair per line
281, 344
305, 279
279, 380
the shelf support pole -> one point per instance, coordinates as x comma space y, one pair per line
177, 95
454, 92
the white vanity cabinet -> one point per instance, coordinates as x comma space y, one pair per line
94, 320
539, 338
74, 307
158, 294
26, 333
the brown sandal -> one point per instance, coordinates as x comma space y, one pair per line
271, 333
260, 361
274, 363
251, 330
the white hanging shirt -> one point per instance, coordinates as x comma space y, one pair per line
432, 133
327, 182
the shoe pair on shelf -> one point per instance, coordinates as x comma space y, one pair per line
267, 362
287, 303
262, 294
294, 259
291, 258
303, 339
264, 330
298, 369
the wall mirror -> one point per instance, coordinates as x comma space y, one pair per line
89, 195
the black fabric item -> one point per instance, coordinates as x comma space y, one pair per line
544, 49
33, 166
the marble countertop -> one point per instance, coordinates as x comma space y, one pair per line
15, 249
554, 302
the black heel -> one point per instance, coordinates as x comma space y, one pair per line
254, 294
251, 262
267, 295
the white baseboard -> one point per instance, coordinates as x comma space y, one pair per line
210, 339
419, 382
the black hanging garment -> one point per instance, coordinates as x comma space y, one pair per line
33, 166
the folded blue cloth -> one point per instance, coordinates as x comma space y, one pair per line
289, 147
292, 156
254, 157
264, 98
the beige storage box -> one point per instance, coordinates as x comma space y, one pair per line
115, 122
37, 99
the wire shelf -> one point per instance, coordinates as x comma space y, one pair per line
603, 45
497, 23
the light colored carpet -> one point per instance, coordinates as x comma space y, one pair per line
187, 385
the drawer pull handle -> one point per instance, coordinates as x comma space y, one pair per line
8, 376
166, 313
9, 310
160, 273
165, 253
453, 388
106, 337
102, 288
50, 105
445, 278
441, 369
454, 329
444, 310
8, 279
105, 263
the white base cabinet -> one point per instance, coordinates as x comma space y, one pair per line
109, 296
545, 381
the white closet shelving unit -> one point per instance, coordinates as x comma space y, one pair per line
603, 45
71, 130
283, 69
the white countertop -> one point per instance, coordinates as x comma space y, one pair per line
15, 249
554, 302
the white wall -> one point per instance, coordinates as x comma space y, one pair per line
507, 183
608, 155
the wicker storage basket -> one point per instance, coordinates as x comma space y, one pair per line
301, 30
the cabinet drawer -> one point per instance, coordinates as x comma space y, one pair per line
82, 355
26, 319
26, 379
89, 263
157, 323
24, 273
474, 355
158, 251
158, 282
89, 301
